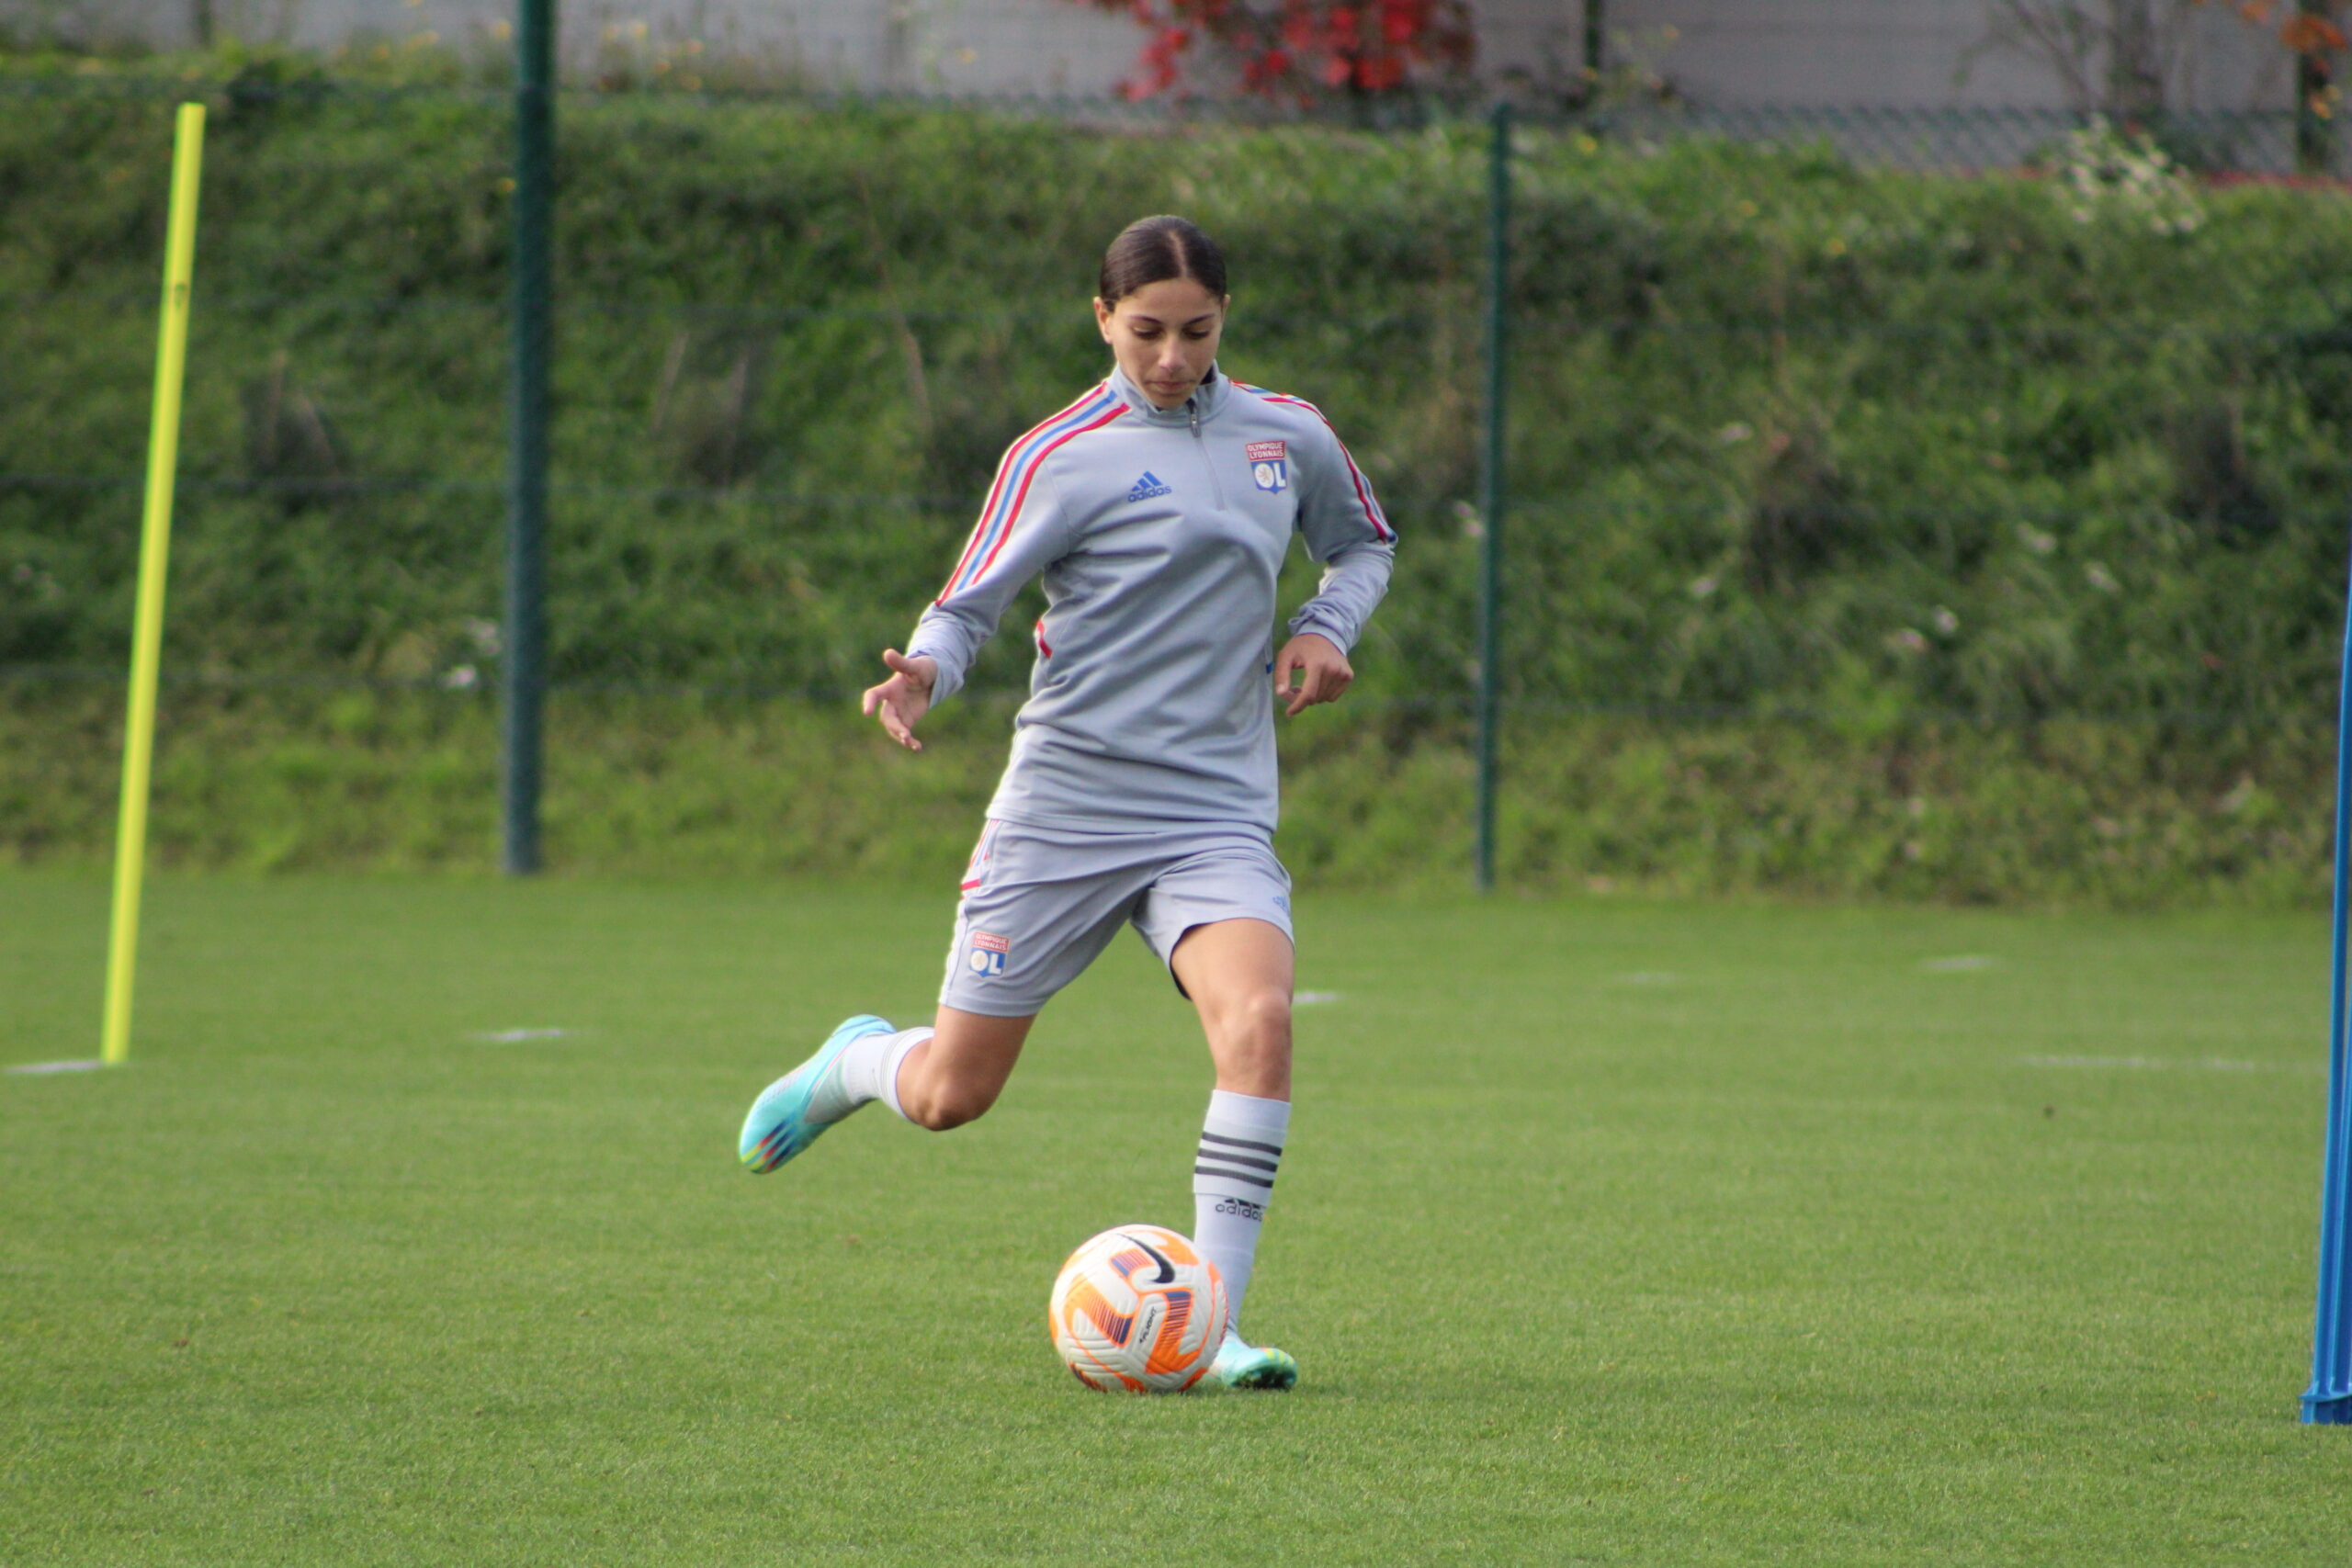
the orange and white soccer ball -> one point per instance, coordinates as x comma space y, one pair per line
1138, 1308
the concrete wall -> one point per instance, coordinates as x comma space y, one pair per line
1917, 53
978, 46
1727, 52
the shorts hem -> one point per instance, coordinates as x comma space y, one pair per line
996, 1008
1168, 959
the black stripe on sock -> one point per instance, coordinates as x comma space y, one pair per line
1243, 1143
1208, 1153
1234, 1176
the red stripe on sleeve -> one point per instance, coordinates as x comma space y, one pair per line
1355, 475
1013, 458
1028, 477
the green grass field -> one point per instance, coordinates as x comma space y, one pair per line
1611, 1233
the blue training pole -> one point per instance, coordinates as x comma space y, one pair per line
2329, 1399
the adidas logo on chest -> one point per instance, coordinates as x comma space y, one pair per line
1150, 488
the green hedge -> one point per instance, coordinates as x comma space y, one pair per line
2063, 812
1789, 435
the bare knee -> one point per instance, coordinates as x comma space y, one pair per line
1251, 1040
956, 1075
1259, 1020
950, 1105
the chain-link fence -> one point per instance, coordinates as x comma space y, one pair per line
2217, 142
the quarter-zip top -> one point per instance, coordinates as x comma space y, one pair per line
1160, 534
1207, 465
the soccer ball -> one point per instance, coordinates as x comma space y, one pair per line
1136, 1308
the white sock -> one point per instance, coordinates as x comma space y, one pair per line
1233, 1178
867, 1071
901, 1044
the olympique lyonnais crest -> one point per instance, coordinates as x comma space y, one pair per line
1270, 464
988, 952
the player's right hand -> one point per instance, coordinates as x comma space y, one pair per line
903, 700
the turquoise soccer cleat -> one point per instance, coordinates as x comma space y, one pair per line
779, 1125
1253, 1366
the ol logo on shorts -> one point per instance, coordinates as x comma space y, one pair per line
987, 953
1270, 464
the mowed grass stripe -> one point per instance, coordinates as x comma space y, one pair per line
1608, 1232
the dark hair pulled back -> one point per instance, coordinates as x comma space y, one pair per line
1153, 250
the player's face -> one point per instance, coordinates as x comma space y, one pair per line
1164, 335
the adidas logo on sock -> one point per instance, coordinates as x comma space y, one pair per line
1151, 487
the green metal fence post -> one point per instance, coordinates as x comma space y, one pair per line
524, 616
1491, 496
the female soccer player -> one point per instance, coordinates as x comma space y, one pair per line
1141, 786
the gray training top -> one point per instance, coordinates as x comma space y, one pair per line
1160, 532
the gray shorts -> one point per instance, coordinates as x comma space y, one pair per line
1040, 904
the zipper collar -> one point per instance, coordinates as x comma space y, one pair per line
1194, 412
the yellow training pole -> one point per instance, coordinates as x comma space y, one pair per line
154, 553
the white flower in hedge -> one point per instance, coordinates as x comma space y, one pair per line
2108, 174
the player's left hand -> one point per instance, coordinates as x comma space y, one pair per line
1323, 672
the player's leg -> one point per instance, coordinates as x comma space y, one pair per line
1239, 975
937, 1077
1034, 915
955, 1074
1220, 916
